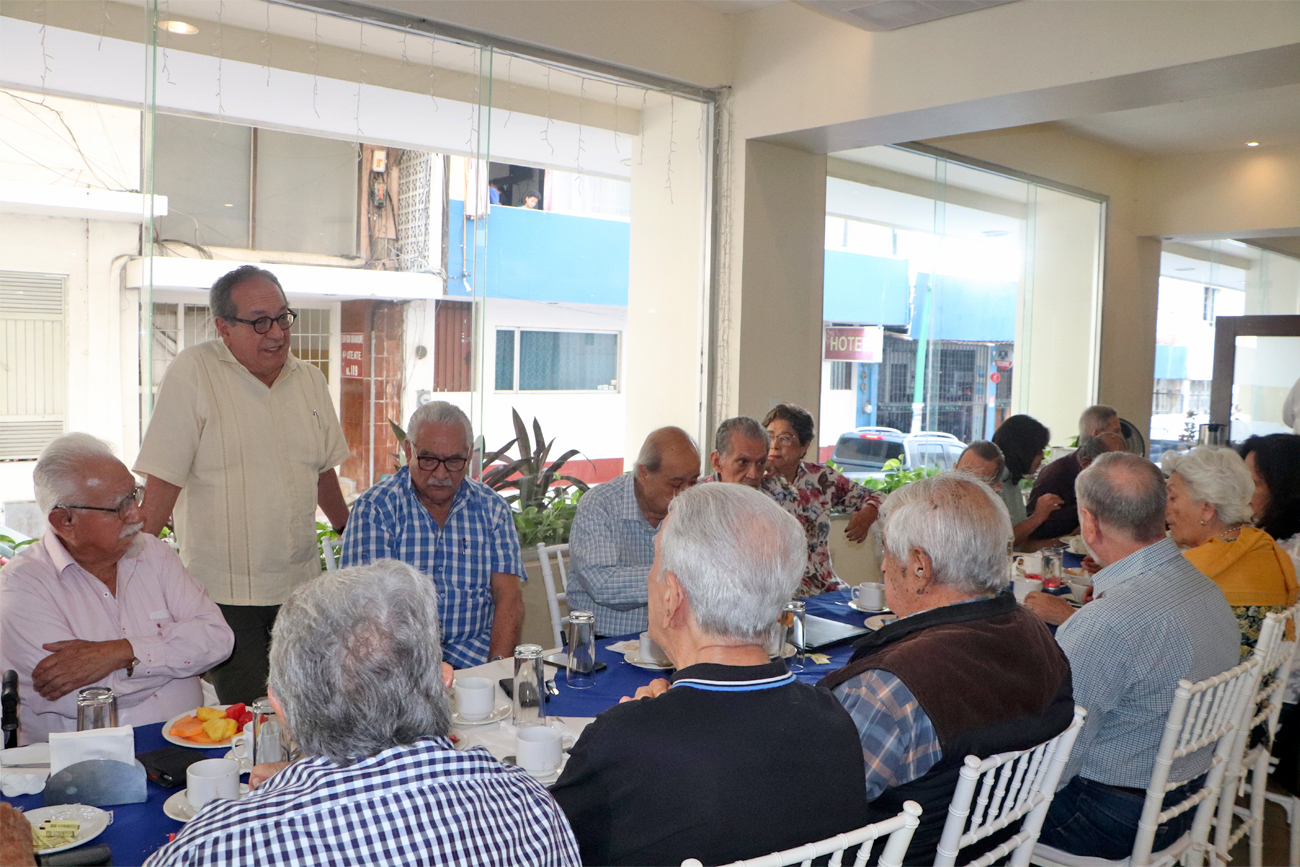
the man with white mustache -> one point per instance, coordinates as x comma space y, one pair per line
95, 602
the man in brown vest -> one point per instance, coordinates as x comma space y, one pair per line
963, 671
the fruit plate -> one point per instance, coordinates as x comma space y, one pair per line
181, 742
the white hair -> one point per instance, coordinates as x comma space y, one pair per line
1095, 418
441, 412
1215, 476
356, 661
957, 520
738, 555
59, 474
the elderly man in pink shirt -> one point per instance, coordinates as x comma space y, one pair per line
96, 602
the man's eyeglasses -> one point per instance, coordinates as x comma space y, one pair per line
429, 463
262, 324
123, 507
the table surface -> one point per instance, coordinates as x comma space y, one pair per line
140, 829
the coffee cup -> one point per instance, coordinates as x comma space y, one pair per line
1077, 591
1022, 587
475, 698
241, 745
210, 779
870, 595
540, 749
1030, 564
650, 650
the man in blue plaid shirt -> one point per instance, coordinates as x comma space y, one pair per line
357, 675
457, 531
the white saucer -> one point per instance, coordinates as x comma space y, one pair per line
880, 620
544, 779
178, 805
93, 822
853, 603
497, 715
244, 764
633, 657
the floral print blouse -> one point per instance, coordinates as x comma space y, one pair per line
820, 489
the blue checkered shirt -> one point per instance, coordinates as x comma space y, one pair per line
611, 547
899, 743
479, 538
420, 803
1154, 619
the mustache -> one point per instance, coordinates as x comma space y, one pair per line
440, 483
131, 530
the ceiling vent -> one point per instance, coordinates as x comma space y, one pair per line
894, 14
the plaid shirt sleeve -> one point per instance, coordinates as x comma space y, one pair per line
594, 544
503, 546
899, 743
369, 535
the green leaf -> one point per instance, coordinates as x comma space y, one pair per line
521, 436
397, 432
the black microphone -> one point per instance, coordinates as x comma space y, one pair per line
9, 709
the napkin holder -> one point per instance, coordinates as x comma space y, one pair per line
97, 782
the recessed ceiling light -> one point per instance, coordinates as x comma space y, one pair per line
181, 27
229, 205
1252, 144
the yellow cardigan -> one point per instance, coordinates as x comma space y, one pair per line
1252, 570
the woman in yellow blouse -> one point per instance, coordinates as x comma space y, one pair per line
1209, 514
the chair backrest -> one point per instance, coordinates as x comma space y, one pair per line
898, 829
1262, 709
332, 549
1204, 715
1011, 786
554, 595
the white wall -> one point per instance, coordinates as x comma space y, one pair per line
839, 411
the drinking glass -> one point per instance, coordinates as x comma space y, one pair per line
792, 633
582, 650
265, 733
96, 708
529, 709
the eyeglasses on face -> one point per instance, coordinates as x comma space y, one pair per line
262, 324
429, 463
784, 440
123, 507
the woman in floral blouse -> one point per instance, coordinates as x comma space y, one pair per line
820, 489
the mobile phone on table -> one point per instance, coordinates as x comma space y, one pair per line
561, 660
507, 685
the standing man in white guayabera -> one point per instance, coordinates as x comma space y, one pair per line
243, 442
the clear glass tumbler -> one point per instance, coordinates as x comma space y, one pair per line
96, 708
582, 650
793, 621
529, 707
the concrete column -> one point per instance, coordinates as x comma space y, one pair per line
664, 340
783, 221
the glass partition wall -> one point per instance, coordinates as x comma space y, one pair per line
451, 219
954, 297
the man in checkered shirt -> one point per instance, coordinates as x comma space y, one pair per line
357, 674
457, 531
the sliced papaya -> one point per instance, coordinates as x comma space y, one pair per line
187, 727
200, 738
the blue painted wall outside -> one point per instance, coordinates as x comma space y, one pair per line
1171, 362
540, 256
860, 288
970, 309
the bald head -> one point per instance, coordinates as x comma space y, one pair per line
665, 441
1125, 493
668, 464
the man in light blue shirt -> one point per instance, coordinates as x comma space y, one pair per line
455, 530
1154, 620
612, 541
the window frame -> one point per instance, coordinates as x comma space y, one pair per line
515, 389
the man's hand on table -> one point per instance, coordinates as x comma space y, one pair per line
263, 772
15, 838
658, 686
861, 522
76, 663
1052, 609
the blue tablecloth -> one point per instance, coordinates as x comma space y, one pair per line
138, 829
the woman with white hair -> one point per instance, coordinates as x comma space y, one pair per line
1209, 514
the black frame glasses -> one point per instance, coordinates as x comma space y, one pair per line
430, 463
262, 324
122, 509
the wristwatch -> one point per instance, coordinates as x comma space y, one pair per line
130, 666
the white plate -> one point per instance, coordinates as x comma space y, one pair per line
497, 715
633, 657
874, 623
178, 805
544, 779
244, 765
93, 822
853, 603
181, 742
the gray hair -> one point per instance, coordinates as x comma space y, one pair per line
58, 472
651, 455
1215, 476
1124, 491
1095, 418
957, 520
988, 451
738, 555
357, 663
441, 412
219, 301
745, 426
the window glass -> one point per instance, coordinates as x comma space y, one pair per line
867, 450
505, 359
567, 361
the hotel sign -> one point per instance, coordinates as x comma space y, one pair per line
353, 350
859, 343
